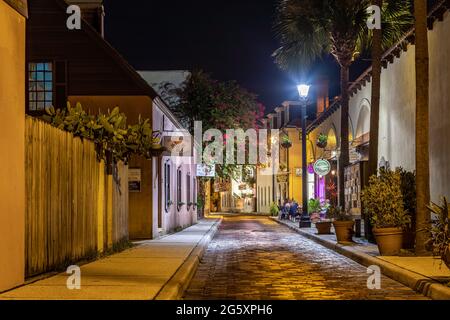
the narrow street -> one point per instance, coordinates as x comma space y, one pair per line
256, 258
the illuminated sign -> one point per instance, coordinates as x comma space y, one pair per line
322, 167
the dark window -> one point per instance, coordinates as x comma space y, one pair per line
60, 84
194, 198
179, 198
167, 186
188, 189
40, 86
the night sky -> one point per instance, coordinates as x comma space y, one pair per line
231, 39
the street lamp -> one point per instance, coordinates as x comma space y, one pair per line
305, 221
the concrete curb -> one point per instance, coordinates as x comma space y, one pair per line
419, 283
177, 285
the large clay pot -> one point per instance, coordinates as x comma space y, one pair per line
344, 231
389, 240
323, 227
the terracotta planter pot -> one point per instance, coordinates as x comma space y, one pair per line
323, 227
344, 231
389, 240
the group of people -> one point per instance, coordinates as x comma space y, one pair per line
289, 209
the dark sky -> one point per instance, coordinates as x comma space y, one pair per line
232, 39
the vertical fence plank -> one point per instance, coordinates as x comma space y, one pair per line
66, 208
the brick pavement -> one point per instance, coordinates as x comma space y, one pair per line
256, 258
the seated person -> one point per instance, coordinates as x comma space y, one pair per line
293, 211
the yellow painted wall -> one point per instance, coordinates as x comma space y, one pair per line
101, 208
132, 106
12, 146
140, 204
207, 207
295, 161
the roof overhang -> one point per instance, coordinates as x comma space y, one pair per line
21, 6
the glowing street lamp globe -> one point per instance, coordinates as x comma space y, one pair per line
303, 90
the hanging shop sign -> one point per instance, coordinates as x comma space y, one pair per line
322, 167
20, 6
134, 179
204, 170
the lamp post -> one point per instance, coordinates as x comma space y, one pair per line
305, 221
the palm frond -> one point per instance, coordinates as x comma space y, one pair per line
397, 20
302, 34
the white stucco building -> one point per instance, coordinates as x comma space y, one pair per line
397, 109
174, 174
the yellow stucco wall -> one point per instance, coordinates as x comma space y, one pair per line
140, 204
295, 161
12, 146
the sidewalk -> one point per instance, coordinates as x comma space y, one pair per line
156, 269
426, 275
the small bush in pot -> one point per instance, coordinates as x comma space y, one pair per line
274, 210
318, 210
314, 208
439, 242
322, 141
383, 204
343, 224
286, 142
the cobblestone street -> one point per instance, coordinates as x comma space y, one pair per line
256, 258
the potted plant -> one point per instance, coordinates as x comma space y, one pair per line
322, 141
383, 203
286, 142
343, 224
314, 209
274, 210
439, 242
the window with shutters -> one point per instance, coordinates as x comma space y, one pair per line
47, 86
40, 86
188, 188
179, 197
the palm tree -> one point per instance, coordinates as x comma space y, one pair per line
308, 29
422, 125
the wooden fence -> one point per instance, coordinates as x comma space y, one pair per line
71, 212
